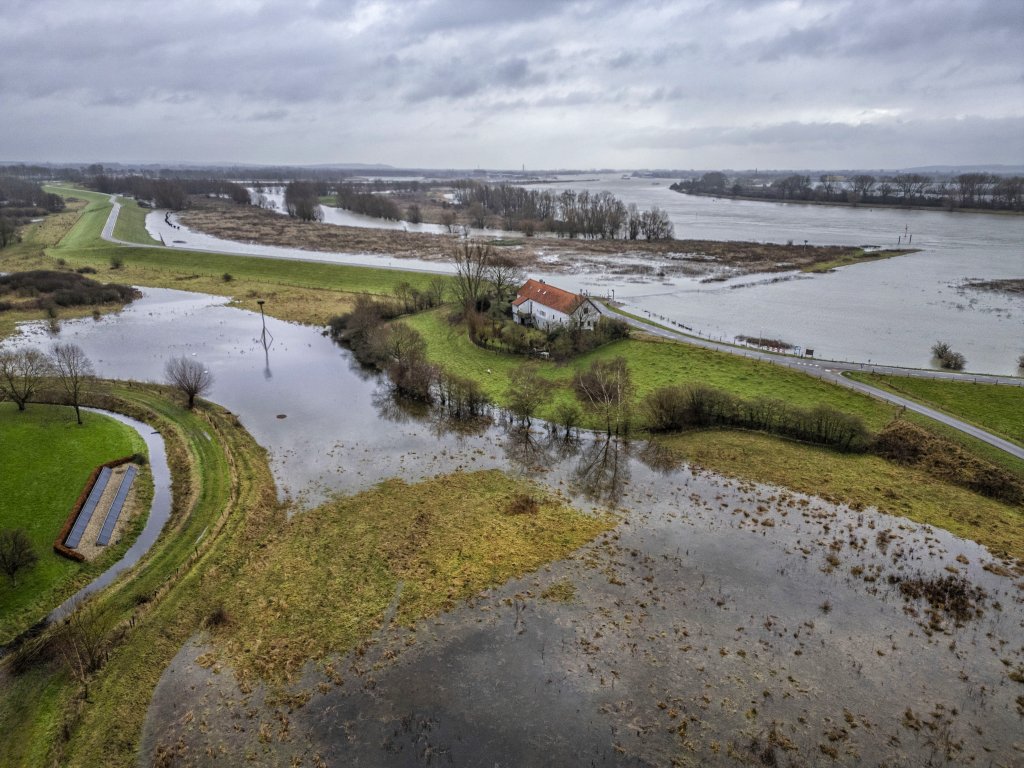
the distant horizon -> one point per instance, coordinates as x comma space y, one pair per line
194, 165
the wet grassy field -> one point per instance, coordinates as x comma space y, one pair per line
46, 458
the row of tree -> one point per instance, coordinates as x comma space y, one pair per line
302, 201
570, 213
20, 202
359, 199
171, 193
67, 372
967, 190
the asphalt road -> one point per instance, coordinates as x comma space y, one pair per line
833, 372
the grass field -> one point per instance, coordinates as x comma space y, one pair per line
46, 458
857, 480
307, 292
443, 539
653, 363
996, 408
131, 223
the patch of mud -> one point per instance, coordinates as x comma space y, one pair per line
720, 623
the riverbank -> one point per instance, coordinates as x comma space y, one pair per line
548, 254
845, 204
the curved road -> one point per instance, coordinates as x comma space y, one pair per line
828, 370
833, 372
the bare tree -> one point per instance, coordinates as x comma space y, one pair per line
527, 391
16, 552
22, 372
190, 376
83, 640
505, 275
448, 220
436, 290
472, 260
74, 372
862, 184
606, 389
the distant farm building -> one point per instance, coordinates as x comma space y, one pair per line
544, 306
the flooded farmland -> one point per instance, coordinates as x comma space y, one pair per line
719, 623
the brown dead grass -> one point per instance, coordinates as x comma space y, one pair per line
323, 584
246, 223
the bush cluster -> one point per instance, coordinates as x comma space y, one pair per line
496, 330
62, 289
904, 443
679, 407
948, 359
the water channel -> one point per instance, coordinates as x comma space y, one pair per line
159, 513
714, 598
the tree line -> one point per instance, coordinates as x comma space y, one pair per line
20, 202
570, 213
966, 190
172, 193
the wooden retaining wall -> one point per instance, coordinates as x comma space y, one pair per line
58, 543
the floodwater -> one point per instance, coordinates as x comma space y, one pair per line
887, 312
718, 619
346, 218
709, 627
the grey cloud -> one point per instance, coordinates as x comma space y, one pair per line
592, 82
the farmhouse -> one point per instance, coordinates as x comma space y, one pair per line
543, 306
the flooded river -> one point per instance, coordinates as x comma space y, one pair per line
887, 312
719, 619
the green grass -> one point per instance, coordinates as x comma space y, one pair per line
994, 407
331, 573
131, 223
46, 459
857, 258
859, 480
653, 363
222, 487
228, 544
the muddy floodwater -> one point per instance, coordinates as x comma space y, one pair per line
720, 623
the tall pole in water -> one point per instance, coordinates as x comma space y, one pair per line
263, 317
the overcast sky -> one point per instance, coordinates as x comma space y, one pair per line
541, 83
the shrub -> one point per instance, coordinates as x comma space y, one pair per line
948, 359
522, 504
461, 397
86, 270
906, 443
116, 262
674, 408
227, 277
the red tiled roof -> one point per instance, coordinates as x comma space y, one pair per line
549, 296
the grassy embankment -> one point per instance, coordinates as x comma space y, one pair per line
856, 258
653, 363
46, 458
131, 223
308, 292
993, 407
859, 480
225, 524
